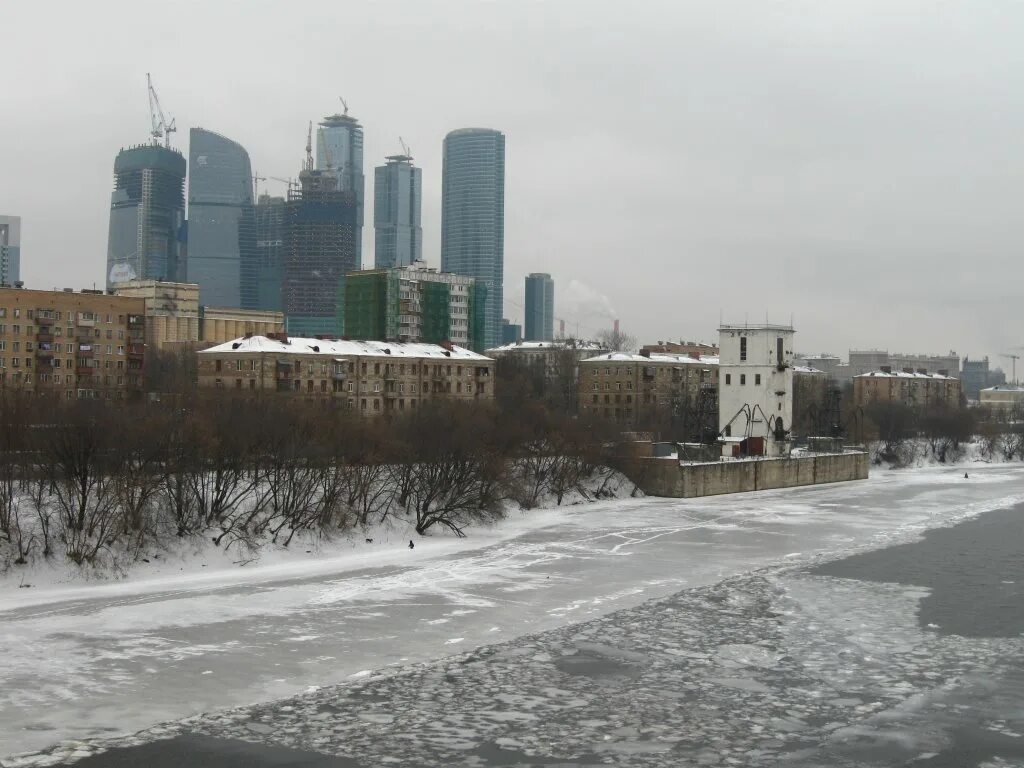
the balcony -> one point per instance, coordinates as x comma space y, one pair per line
86, 322
339, 375
136, 350
43, 321
136, 321
389, 375
84, 370
44, 336
86, 350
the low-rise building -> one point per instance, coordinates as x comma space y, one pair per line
174, 316
71, 345
917, 389
691, 348
372, 377
643, 389
866, 361
1004, 399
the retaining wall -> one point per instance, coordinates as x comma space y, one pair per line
664, 477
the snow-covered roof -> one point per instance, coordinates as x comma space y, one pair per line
904, 375
806, 369
1004, 388
654, 357
341, 348
542, 345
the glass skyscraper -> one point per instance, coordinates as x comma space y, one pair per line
147, 215
270, 254
397, 198
221, 221
473, 216
540, 308
339, 151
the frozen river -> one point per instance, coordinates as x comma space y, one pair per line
100, 661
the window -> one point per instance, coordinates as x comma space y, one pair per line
238, 365
743, 348
778, 350
743, 379
757, 379
376, 386
728, 379
217, 366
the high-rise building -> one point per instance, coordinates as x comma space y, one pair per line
510, 332
540, 307
397, 198
320, 237
413, 304
473, 215
10, 250
270, 254
221, 221
339, 151
147, 215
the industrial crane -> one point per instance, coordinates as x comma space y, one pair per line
308, 165
405, 148
1013, 358
344, 104
256, 179
161, 128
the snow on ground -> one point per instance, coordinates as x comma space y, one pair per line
87, 660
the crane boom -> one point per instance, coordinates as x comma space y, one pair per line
160, 127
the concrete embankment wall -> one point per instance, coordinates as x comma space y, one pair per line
666, 477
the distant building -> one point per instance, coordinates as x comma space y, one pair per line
510, 332
830, 365
71, 345
865, 361
174, 316
397, 202
539, 319
976, 375
320, 240
692, 348
221, 254
473, 215
756, 388
644, 390
10, 250
371, 377
917, 389
412, 304
1004, 399
339, 152
147, 215
271, 251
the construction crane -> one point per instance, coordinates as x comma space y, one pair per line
292, 183
1014, 359
161, 128
256, 179
344, 104
405, 148
308, 165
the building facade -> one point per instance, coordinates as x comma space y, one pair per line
1004, 399
646, 390
270, 255
916, 389
510, 332
147, 215
397, 204
691, 348
865, 361
71, 345
976, 375
174, 316
371, 377
412, 304
339, 152
10, 250
756, 385
539, 322
221, 256
473, 215
320, 247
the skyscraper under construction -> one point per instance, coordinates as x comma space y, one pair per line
320, 246
339, 153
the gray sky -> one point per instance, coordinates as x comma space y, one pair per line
854, 163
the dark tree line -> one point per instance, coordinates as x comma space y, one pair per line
85, 479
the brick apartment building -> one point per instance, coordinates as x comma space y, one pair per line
71, 345
638, 389
916, 388
372, 377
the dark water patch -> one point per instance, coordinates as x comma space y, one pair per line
198, 751
494, 755
975, 571
974, 746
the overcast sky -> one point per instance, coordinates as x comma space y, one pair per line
857, 164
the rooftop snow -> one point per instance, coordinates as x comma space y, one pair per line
655, 357
904, 375
335, 348
582, 345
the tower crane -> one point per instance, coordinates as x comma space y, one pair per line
292, 184
308, 165
405, 148
161, 128
256, 179
344, 104
1014, 359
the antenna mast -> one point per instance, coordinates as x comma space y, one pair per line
309, 148
161, 128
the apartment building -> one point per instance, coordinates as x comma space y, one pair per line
644, 388
372, 377
691, 348
918, 389
71, 345
1004, 399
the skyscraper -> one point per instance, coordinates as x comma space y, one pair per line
540, 308
339, 151
319, 248
473, 215
147, 215
10, 250
270, 254
397, 198
221, 221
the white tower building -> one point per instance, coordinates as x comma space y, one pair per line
755, 398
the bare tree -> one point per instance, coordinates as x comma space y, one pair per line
616, 341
